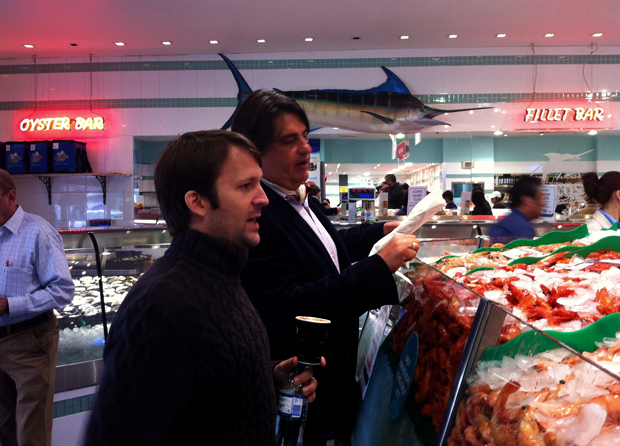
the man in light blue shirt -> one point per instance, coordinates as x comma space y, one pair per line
34, 281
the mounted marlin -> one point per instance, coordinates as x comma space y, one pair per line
389, 108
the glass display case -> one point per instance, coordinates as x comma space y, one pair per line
119, 257
481, 375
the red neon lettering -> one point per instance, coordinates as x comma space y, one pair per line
598, 116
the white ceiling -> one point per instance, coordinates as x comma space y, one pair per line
51, 26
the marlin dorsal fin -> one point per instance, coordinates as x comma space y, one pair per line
392, 84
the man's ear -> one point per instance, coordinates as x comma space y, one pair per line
197, 204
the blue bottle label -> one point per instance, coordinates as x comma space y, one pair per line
289, 405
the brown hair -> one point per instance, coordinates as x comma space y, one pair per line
255, 117
601, 189
193, 161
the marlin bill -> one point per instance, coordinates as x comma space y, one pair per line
389, 108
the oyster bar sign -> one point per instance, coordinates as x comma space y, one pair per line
561, 116
61, 123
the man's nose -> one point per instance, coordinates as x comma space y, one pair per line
261, 199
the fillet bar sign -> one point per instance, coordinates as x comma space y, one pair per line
561, 116
61, 123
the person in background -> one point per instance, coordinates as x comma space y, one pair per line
187, 360
527, 205
35, 280
496, 199
315, 191
606, 191
395, 192
327, 209
448, 197
405, 202
303, 266
481, 205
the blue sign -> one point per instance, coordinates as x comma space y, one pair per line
404, 376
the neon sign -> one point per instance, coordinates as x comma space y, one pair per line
61, 123
578, 114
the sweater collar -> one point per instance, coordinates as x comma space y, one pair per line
213, 253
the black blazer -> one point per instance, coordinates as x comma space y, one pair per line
290, 273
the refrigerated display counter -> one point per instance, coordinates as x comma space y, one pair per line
484, 375
119, 257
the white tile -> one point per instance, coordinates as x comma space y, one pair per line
78, 86
23, 86
76, 206
6, 87
94, 205
188, 120
69, 394
60, 184
205, 84
151, 121
114, 206
92, 184
188, 84
116, 184
131, 85
59, 207
149, 84
112, 84
57, 86
169, 84
169, 121
76, 184
132, 121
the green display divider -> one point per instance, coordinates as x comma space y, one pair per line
611, 243
480, 268
550, 238
444, 257
531, 342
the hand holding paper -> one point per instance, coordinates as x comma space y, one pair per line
421, 213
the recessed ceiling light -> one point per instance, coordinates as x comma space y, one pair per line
261, 40
119, 44
592, 132
308, 39
29, 46
597, 35
356, 38
498, 133
404, 37
452, 36
213, 42
549, 35
167, 43
73, 44
400, 135
501, 35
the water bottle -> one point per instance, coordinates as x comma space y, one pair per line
292, 412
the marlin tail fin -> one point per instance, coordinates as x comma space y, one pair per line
244, 88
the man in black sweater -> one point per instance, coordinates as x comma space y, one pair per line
303, 266
187, 360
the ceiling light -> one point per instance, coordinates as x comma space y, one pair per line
73, 44
400, 135
592, 132
378, 164
501, 35
167, 43
308, 39
452, 36
119, 44
261, 40
597, 35
213, 42
541, 134
336, 128
29, 46
404, 37
498, 133
549, 35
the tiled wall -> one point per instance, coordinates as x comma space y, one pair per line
166, 96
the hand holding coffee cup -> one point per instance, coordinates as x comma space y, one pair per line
311, 336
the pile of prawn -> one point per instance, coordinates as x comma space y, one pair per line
551, 295
442, 313
553, 399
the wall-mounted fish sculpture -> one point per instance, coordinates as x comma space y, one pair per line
389, 108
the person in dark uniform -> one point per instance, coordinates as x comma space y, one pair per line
448, 196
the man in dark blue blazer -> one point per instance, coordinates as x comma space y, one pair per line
304, 267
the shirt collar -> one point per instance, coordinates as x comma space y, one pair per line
286, 193
15, 221
609, 217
